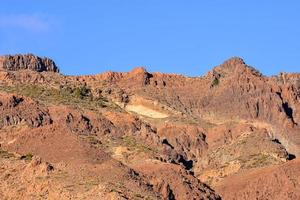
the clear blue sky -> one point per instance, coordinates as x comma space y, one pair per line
176, 36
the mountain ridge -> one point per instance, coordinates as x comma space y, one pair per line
178, 137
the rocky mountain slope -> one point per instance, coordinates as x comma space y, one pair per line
230, 134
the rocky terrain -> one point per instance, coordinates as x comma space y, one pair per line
230, 134
32, 62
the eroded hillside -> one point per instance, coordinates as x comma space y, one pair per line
141, 135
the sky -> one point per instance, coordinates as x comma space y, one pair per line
172, 36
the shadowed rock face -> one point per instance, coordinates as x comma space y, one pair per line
28, 61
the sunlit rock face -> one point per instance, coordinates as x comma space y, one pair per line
27, 61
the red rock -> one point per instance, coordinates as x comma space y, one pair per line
227, 128
28, 61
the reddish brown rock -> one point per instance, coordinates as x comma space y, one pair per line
27, 61
173, 182
15, 110
279, 182
166, 133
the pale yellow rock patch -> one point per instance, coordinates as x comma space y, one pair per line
146, 111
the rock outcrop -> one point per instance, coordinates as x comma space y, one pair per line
27, 61
15, 110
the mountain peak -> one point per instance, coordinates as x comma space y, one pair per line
138, 70
235, 65
234, 61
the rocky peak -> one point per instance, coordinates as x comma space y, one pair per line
27, 61
233, 62
140, 74
138, 70
233, 66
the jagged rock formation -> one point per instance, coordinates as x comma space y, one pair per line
16, 110
141, 135
28, 61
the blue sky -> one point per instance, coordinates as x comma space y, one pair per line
175, 36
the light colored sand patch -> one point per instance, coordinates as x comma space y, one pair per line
120, 150
119, 153
146, 111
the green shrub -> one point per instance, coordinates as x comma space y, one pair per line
67, 95
82, 92
28, 156
215, 82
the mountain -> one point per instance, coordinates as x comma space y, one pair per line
230, 134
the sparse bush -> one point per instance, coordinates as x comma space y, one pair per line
5, 154
82, 92
101, 101
94, 141
66, 90
28, 156
132, 144
66, 95
215, 82
137, 195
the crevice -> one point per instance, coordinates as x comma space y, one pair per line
188, 164
180, 160
257, 109
276, 141
287, 109
171, 195
289, 156
165, 141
